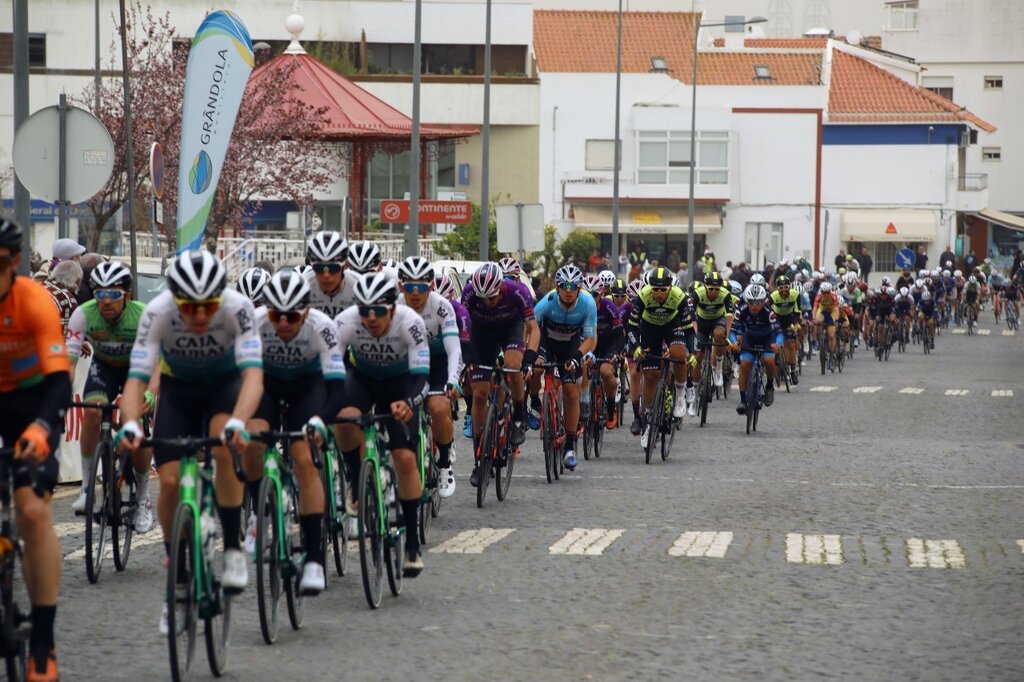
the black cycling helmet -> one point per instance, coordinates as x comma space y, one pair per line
712, 279
10, 236
661, 277
619, 287
782, 281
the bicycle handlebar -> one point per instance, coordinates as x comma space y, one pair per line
192, 443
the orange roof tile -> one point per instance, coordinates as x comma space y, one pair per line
737, 68
862, 92
788, 43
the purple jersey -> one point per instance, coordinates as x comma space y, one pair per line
467, 290
514, 305
609, 318
462, 319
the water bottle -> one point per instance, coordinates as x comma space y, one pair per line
207, 533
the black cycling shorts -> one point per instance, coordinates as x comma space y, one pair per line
104, 381
438, 373
376, 395
488, 342
291, 403
655, 340
704, 331
560, 352
186, 409
786, 323
17, 411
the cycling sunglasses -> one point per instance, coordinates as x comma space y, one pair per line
210, 305
321, 268
291, 317
418, 287
660, 290
108, 294
568, 286
376, 310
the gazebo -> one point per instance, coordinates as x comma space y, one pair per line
353, 116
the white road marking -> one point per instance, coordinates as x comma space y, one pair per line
586, 541
957, 391
472, 541
1020, 543
709, 544
959, 331
823, 389
813, 549
912, 391
66, 492
986, 332
934, 553
67, 528
1006, 393
867, 389
1009, 332
138, 541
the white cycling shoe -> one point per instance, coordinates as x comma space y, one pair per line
235, 575
313, 581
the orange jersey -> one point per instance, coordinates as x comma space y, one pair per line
31, 337
826, 303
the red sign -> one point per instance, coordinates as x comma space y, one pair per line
891, 229
397, 211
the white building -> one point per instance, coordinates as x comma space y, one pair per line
800, 152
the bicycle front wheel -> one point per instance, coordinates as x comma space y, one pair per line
547, 437
503, 474
182, 596
394, 546
488, 444
216, 631
371, 542
125, 501
268, 559
294, 600
96, 519
336, 526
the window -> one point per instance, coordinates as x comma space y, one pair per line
943, 92
659, 65
940, 85
36, 50
734, 23
762, 73
903, 16
993, 82
663, 157
991, 153
601, 155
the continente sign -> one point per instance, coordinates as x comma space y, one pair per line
219, 63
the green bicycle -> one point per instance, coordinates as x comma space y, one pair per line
381, 527
427, 460
193, 585
334, 479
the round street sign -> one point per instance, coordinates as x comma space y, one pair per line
156, 170
89, 153
905, 259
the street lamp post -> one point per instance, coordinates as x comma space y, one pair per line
693, 127
617, 151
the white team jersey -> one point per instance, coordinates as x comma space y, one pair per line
332, 305
402, 349
313, 350
439, 318
232, 342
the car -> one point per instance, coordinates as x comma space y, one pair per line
150, 285
460, 270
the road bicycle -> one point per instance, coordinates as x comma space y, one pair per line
110, 480
496, 456
706, 388
15, 625
194, 590
552, 426
755, 387
594, 424
427, 460
333, 478
279, 552
381, 526
1012, 316
658, 415
622, 398
782, 368
926, 336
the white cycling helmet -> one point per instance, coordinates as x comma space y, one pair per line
808, 287
111, 275
197, 276
946, 273
486, 280
303, 270
958, 273
607, 278
886, 281
510, 267
919, 283
972, 279
904, 291
634, 287
375, 288
735, 287
286, 292
926, 295
755, 293
251, 284
757, 278
364, 257
416, 269
444, 286
826, 288
327, 247
891, 291
851, 278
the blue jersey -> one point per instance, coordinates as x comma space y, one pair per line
927, 308
756, 328
561, 325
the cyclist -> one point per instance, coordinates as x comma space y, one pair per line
511, 269
304, 372
416, 276
390, 371
108, 323
446, 288
635, 377
854, 297
927, 313
903, 307
610, 341
660, 316
250, 284
1011, 295
567, 319
35, 390
502, 322
330, 282
884, 311
364, 258
205, 341
785, 303
714, 310
826, 312
972, 296
756, 326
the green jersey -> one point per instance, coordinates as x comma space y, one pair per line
111, 345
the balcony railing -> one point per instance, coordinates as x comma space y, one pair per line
972, 182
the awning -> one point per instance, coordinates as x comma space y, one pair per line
647, 219
1005, 219
887, 225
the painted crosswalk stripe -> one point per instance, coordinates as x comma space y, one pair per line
709, 544
67, 528
956, 391
1005, 393
934, 553
823, 389
813, 549
867, 389
472, 541
1009, 332
138, 542
959, 331
1020, 543
985, 332
586, 541
912, 391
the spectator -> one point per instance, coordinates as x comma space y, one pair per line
534, 281
851, 263
684, 275
623, 264
866, 264
922, 258
673, 260
741, 274
42, 272
970, 262
64, 280
66, 249
726, 272
88, 262
595, 261
637, 256
840, 260
708, 260
947, 261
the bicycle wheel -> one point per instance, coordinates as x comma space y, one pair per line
488, 444
184, 601
430, 493
294, 599
394, 546
16, 660
371, 544
547, 437
126, 504
667, 438
784, 370
823, 351
16, 648
268, 559
96, 519
336, 527
588, 435
217, 627
758, 390
653, 424
598, 437
704, 397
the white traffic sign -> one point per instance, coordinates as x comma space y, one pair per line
520, 227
